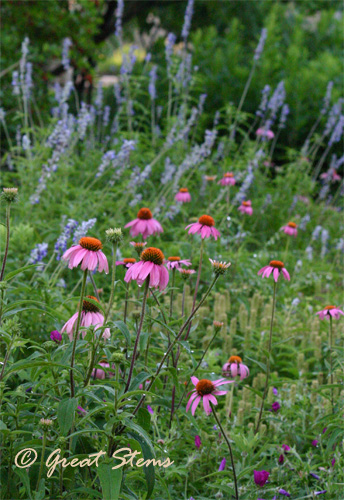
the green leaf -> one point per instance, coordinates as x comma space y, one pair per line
124, 329
148, 454
143, 419
65, 414
12, 274
110, 481
24, 478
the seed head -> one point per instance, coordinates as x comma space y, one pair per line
114, 235
10, 195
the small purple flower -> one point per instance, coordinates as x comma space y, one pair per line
215, 428
314, 475
281, 458
333, 461
324, 430
29, 389
275, 391
222, 464
150, 409
286, 448
315, 442
81, 410
275, 407
316, 493
56, 336
283, 492
198, 442
260, 477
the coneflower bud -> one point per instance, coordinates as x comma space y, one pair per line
118, 357
46, 423
114, 235
219, 267
217, 325
10, 195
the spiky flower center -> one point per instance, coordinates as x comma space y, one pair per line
140, 244
328, 308
204, 387
183, 190
174, 259
88, 306
292, 224
235, 359
154, 255
90, 243
276, 263
129, 261
206, 220
246, 203
228, 175
144, 214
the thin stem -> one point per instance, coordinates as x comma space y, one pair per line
7, 241
268, 359
331, 361
248, 83
83, 288
42, 459
198, 365
183, 301
229, 448
133, 359
126, 303
180, 333
171, 297
113, 277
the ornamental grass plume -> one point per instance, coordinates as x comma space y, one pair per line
246, 207
151, 265
235, 367
290, 228
88, 253
204, 227
90, 316
144, 224
183, 196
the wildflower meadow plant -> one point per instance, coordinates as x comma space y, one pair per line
151, 352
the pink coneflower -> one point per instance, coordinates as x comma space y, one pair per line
90, 315
98, 373
183, 196
290, 228
138, 246
331, 175
151, 264
227, 179
204, 227
207, 390
176, 263
234, 367
330, 311
186, 273
246, 207
144, 224
275, 266
128, 262
267, 134
89, 253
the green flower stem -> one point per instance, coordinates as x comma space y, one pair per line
126, 303
42, 459
229, 448
331, 361
268, 362
133, 359
83, 288
172, 290
113, 278
198, 365
7, 241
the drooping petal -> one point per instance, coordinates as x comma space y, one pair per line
285, 274
192, 397
195, 404
206, 404
276, 274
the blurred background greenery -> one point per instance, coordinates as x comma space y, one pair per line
303, 48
